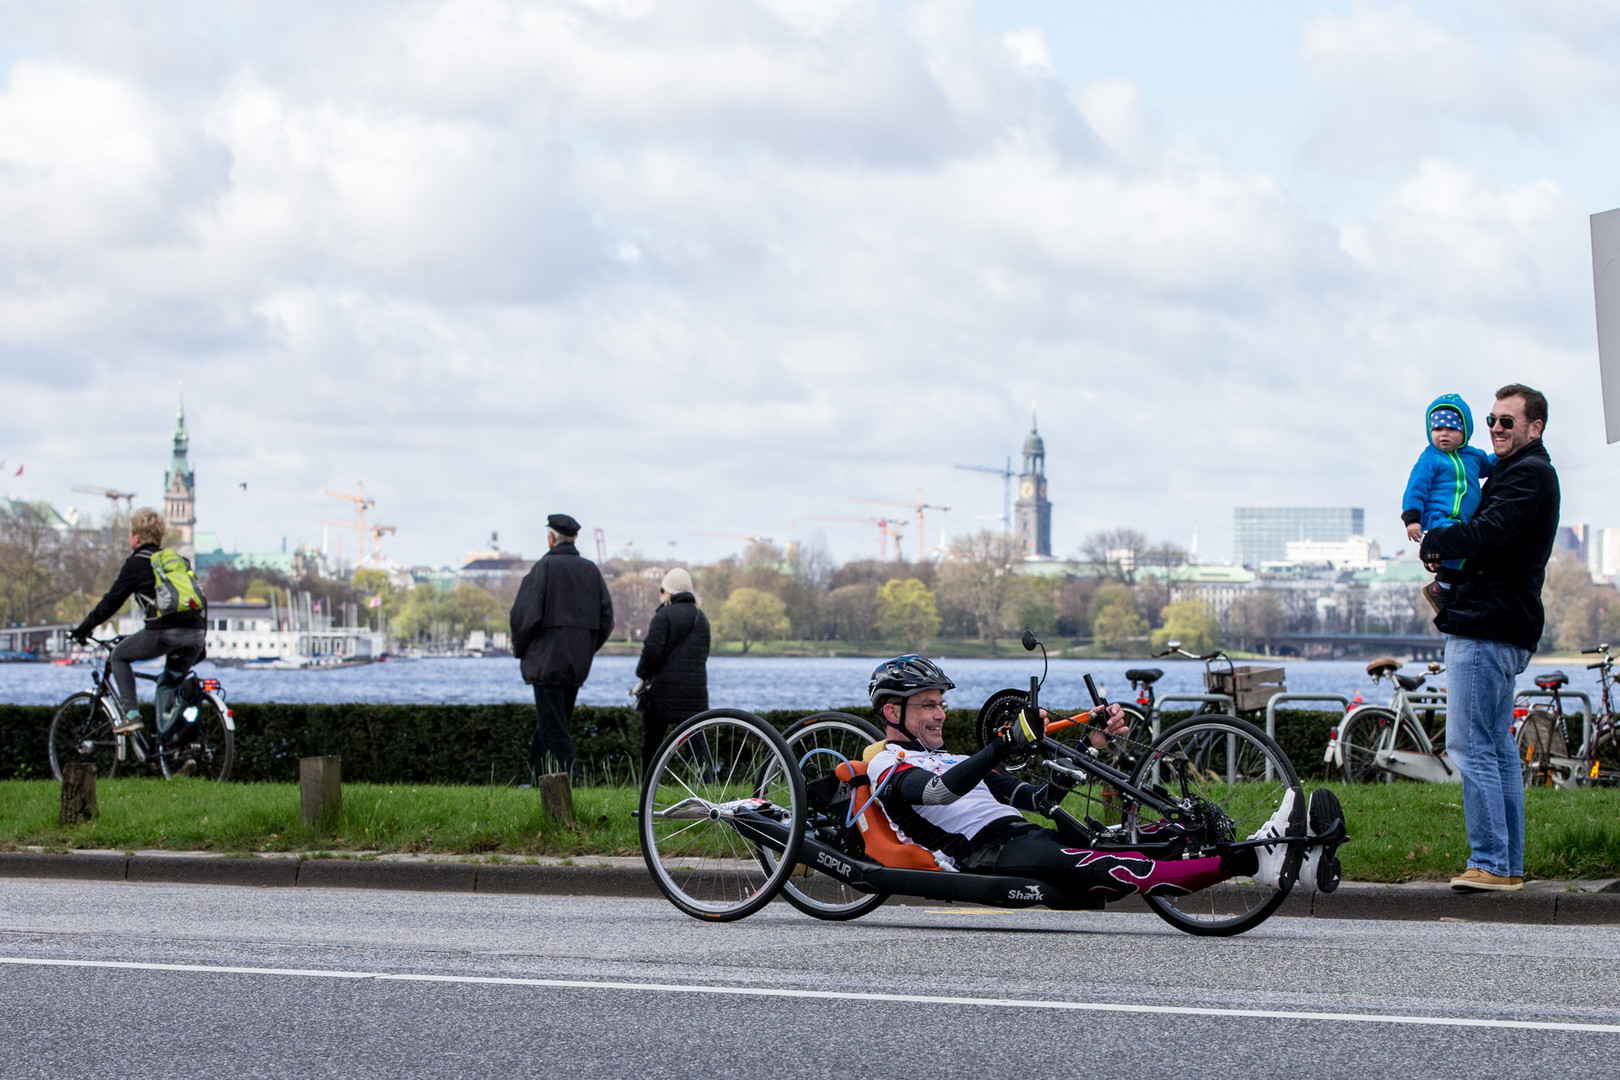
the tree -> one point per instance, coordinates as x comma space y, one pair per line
977, 577
906, 611
1116, 552
469, 608
852, 611
1190, 622
751, 615
1571, 604
1256, 617
635, 598
1030, 605
1115, 620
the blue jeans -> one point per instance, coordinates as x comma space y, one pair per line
1479, 716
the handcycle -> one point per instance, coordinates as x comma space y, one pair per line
1543, 734
791, 814
201, 742
1386, 742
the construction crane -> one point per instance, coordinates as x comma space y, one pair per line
1006, 473
112, 495
750, 537
886, 529
919, 506
363, 529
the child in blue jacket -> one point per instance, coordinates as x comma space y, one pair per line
1443, 489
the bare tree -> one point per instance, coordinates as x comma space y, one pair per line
1116, 552
976, 578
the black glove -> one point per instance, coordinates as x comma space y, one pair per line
81, 635
1024, 733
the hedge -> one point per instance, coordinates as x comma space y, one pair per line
479, 744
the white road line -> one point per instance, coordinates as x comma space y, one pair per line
837, 995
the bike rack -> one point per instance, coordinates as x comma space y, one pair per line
1585, 714
1271, 711
1229, 708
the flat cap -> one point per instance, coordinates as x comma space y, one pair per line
563, 524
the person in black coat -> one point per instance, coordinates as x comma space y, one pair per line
561, 617
674, 664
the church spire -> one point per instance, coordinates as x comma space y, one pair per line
180, 488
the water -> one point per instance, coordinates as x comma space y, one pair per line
754, 683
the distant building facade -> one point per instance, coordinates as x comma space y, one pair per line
1260, 534
1032, 513
180, 493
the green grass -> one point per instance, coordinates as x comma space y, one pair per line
1399, 832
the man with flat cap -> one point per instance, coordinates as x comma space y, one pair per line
562, 616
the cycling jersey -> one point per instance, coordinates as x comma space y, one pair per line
926, 811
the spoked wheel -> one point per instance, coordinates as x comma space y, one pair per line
204, 747
1540, 740
713, 771
82, 732
1361, 733
808, 740
1236, 768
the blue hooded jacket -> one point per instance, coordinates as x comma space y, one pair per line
1443, 489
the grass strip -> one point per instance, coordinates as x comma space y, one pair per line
1399, 832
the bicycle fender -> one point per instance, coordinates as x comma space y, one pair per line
224, 712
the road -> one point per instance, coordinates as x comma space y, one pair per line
143, 980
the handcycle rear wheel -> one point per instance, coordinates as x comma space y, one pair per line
812, 892
1237, 768
207, 741
82, 732
709, 769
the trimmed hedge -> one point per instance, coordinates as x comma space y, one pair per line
481, 744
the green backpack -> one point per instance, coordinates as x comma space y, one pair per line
176, 585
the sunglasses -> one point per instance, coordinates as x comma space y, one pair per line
1503, 422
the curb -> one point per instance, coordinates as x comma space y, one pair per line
1547, 903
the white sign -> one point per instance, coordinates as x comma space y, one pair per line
1606, 284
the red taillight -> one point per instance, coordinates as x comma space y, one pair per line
1520, 714
210, 684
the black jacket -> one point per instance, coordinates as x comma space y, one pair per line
561, 616
135, 579
1507, 544
674, 660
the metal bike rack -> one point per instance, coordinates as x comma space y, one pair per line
1585, 714
1228, 708
1271, 711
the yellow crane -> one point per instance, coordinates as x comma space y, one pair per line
919, 506
363, 529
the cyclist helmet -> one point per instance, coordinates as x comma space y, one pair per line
903, 678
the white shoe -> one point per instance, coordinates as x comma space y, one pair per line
1319, 872
1279, 863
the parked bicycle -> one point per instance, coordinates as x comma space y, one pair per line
1386, 742
200, 742
1544, 740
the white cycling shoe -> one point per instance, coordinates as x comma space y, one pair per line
1319, 871
1279, 863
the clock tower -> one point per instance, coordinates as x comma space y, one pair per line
1032, 513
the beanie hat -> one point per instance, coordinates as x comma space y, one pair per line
1450, 418
677, 581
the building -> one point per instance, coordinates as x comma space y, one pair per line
1603, 554
1260, 534
1354, 553
180, 493
250, 631
1032, 513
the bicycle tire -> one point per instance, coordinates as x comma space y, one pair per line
209, 743
81, 731
698, 860
816, 894
1360, 732
1260, 775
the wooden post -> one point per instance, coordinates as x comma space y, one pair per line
320, 787
557, 797
78, 793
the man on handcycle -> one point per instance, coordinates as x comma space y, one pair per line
966, 809
180, 638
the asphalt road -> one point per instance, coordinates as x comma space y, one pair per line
112, 980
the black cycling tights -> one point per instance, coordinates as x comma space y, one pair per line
1041, 854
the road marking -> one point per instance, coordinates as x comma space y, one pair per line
834, 995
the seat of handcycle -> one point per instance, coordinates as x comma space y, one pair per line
883, 845
1382, 666
1145, 676
1552, 679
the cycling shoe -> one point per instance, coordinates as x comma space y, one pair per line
1325, 823
1279, 862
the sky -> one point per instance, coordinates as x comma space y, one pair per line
717, 266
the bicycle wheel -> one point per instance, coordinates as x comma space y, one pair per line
710, 773
1360, 735
81, 731
809, 890
205, 748
1236, 768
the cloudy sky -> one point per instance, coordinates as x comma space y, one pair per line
716, 265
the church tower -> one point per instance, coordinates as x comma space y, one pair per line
1032, 513
180, 493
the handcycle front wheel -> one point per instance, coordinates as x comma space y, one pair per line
811, 891
1237, 768
82, 732
207, 743
711, 773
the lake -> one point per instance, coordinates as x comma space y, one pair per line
754, 683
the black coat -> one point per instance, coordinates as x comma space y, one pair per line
561, 616
674, 661
1506, 544
135, 579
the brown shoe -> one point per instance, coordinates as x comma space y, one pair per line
1476, 880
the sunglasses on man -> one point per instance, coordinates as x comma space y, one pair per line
1504, 422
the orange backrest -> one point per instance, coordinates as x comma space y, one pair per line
882, 845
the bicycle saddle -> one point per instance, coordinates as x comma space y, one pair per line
1382, 666
1145, 676
1408, 682
1556, 678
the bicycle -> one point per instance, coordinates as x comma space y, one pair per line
1384, 742
796, 820
202, 742
1543, 735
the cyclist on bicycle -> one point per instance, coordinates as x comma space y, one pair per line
966, 810
180, 637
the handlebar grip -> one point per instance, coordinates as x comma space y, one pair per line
1598, 650
1207, 657
1091, 686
